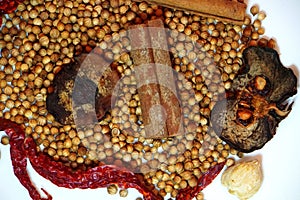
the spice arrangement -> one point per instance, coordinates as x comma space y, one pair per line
44, 43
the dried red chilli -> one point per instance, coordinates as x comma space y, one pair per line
8, 6
61, 175
18, 156
190, 192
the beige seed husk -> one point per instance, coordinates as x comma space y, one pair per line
112, 189
254, 10
5, 140
123, 193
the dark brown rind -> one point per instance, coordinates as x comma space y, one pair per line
90, 96
53, 102
266, 61
268, 108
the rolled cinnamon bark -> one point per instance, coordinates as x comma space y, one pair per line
226, 10
164, 73
145, 73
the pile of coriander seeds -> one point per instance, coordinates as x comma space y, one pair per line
42, 36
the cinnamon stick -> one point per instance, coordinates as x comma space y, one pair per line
165, 77
161, 111
148, 89
226, 10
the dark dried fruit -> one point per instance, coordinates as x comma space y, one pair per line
82, 88
247, 119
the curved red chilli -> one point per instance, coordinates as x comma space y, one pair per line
100, 176
61, 175
190, 192
18, 157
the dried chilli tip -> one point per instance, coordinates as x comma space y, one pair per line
61, 175
189, 193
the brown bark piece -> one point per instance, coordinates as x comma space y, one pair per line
226, 10
166, 80
148, 89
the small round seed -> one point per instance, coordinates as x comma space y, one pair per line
112, 189
261, 16
254, 10
5, 140
123, 193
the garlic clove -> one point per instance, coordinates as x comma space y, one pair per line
243, 179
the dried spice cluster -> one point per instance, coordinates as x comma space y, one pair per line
42, 37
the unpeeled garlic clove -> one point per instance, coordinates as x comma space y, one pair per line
243, 179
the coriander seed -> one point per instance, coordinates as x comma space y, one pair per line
254, 10
112, 189
123, 193
5, 140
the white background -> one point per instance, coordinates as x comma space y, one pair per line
280, 157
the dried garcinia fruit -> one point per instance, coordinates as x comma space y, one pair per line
249, 115
82, 88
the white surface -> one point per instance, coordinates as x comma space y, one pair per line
280, 157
